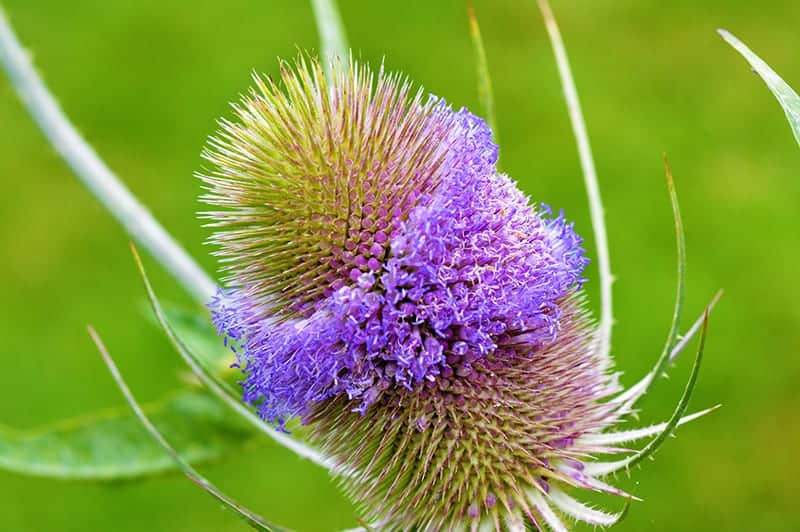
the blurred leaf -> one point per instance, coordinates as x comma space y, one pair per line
113, 445
788, 98
255, 521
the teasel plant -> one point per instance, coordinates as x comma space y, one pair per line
399, 312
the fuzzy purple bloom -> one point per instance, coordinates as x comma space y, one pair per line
393, 290
470, 262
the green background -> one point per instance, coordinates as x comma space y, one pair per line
145, 82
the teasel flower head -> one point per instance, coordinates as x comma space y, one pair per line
391, 289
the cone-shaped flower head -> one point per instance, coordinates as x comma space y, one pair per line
392, 289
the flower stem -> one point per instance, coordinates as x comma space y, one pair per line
94, 173
485, 93
332, 38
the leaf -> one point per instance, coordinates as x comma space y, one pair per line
112, 445
255, 521
333, 41
199, 334
788, 98
485, 92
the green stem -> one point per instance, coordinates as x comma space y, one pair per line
94, 173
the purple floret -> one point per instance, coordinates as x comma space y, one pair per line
471, 264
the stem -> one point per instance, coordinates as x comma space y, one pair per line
94, 173
332, 38
485, 93
589, 177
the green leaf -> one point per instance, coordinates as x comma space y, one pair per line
112, 445
333, 40
198, 332
485, 93
788, 98
255, 521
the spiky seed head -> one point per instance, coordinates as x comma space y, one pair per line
467, 450
314, 179
393, 290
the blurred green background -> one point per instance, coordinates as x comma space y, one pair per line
145, 81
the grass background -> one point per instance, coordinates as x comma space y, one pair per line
145, 81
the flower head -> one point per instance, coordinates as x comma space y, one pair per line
396, 292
